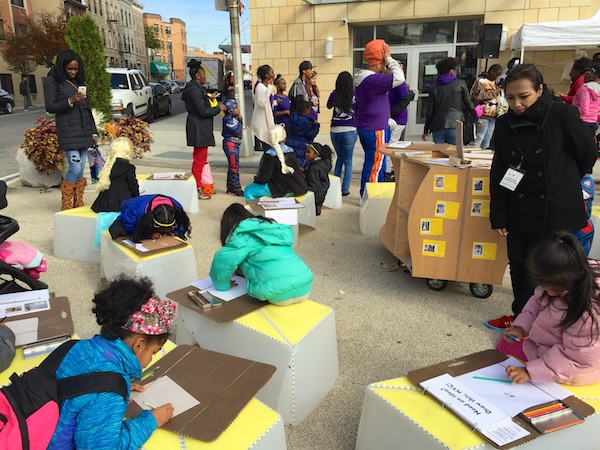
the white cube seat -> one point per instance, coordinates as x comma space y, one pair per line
299, 339
74, 231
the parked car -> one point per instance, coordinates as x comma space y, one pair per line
175, 87
131, 93
7, 101
166, 84
161, 100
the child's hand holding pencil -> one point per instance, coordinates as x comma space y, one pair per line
513, 334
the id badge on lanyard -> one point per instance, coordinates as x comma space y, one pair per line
512, 178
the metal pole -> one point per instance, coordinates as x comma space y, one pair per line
247, 147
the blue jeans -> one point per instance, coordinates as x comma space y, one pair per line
76, 159
373, 170
445, 136
485, 132
344, 146
255, 191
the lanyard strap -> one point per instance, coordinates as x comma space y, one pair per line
523, 153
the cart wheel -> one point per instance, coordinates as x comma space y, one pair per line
435, 284
481, 290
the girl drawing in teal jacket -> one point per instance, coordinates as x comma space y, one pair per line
262, 250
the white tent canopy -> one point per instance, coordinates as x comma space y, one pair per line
571, 34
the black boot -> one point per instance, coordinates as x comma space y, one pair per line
235, 190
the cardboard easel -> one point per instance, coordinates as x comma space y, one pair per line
222, 384
469, 363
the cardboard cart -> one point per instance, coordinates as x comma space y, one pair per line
438, 223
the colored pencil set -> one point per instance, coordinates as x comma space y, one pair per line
552, 417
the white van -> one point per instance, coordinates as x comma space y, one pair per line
131, 93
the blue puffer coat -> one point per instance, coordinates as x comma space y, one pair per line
264, 253
134, 208
95, 421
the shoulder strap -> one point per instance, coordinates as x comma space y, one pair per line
91, 383
54, 359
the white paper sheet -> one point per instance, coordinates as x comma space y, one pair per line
162, 391
399, 144
168, 175
26, 330
506, 433
234, 292
18, 303
511, 398
137, 245
279, 203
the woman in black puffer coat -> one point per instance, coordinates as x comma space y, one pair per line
74, 121
199, 124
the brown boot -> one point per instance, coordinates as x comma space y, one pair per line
79, 188
68, 194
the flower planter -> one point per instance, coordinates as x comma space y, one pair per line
30, 176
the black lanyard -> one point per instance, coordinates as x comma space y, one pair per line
523, 153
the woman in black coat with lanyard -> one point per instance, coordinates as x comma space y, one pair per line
199, 125
543, 149
64, 92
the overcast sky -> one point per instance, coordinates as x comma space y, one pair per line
206, 27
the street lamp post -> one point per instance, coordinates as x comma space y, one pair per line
238, 76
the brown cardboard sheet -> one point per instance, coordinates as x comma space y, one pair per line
52, 323
154, 246
223, 385
227, 312
469, 363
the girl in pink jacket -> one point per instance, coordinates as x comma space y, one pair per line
587, 98
557, 332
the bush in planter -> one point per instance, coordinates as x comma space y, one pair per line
41, 145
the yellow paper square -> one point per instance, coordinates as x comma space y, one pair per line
434, 248
432, 227
445, 183
447, 209
480, 208
484, 250
480, 185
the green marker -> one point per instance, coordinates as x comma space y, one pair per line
493, 379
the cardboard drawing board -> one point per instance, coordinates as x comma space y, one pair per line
227, 312
52, 323
153, 246
469, 363
223, 385
170, 176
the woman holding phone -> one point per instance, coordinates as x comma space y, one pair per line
65, 94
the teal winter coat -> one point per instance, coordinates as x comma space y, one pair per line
263, 251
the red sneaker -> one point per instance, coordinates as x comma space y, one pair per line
501, 322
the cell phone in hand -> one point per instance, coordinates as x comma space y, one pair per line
82, 89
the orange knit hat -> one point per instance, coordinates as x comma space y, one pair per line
374, 51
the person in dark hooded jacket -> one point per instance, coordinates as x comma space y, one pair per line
199, 124
301, 130
65, 97
316, 171
117, 181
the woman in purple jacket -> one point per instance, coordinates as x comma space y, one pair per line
343, 127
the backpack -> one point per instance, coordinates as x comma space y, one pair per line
29, 406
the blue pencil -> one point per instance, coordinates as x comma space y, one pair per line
500, 330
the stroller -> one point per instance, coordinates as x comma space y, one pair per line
12, 279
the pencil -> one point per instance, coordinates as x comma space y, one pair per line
493, 379
149, 371
150, 405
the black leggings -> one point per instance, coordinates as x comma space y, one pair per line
520, 246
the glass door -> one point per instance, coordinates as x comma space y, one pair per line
419, 68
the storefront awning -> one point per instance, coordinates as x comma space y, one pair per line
159, 67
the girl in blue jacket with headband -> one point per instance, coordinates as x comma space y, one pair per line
262, 250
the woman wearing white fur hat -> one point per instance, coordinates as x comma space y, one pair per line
278, 173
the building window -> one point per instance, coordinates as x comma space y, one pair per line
169, 46
6, 82
167, 31
17, 3
2, 35
20, 29
156, 27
